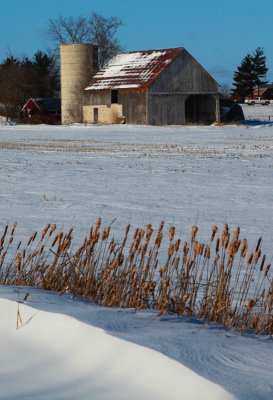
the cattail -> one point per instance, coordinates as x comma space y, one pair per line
262, 263
106, 233
267, 269
213, 232
252, 303
98, 223
170, 250
55, 240
185, 249
136, 233
13, 228
207, 252
217, 246
232, 248
44, 231
225, 236
258, 244
161, 226
237, 233
250, 259
149, 231
18, 262
52, 229
230, 262
194, 231
171, 232
216, 259
177, 245
158, 239
196, 248
257, 256
244, 247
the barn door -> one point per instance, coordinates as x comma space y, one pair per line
96, 116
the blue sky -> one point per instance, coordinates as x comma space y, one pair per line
218, 33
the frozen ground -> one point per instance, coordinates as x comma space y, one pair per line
258, 112
184, 175
69, 349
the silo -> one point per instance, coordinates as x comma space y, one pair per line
78, 63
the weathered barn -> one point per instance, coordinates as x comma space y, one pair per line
156, 87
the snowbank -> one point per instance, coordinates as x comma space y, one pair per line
55, 356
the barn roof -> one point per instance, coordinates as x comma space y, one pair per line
45, 103
133, 70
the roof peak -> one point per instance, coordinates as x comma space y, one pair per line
133, 69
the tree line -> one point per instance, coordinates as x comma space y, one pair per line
21, 79
25, 78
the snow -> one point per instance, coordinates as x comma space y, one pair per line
68, 349
258, 112
131, 70
138, 174
64, 356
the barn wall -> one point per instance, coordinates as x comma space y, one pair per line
97, 98
185, 75
134, 106
166, 109
105, 114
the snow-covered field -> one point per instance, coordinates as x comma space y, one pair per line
258, 112
184, 175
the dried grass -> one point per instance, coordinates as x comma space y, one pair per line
220, 281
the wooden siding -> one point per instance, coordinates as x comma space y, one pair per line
99, 98
166, 109
134, 106
184, 75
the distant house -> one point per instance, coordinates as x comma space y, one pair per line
156, 87
42, 110
263, 93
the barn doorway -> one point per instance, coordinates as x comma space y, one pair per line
200, 109
96, 115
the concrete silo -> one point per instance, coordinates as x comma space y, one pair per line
78, 63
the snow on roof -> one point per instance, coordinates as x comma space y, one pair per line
133, 70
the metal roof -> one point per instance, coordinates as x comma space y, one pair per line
133, 70
45, 103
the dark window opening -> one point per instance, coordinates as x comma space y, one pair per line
114, 97
96, 115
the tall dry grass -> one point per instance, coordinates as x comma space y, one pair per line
220, 281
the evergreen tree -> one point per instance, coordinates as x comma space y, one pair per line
259, 65
250, 74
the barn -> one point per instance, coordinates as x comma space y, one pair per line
154, 87
42, 110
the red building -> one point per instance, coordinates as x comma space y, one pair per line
42, 110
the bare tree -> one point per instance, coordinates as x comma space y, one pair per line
225, 90
94, 29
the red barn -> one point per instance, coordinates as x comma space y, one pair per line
42, 110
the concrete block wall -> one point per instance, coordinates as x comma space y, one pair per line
106, 114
